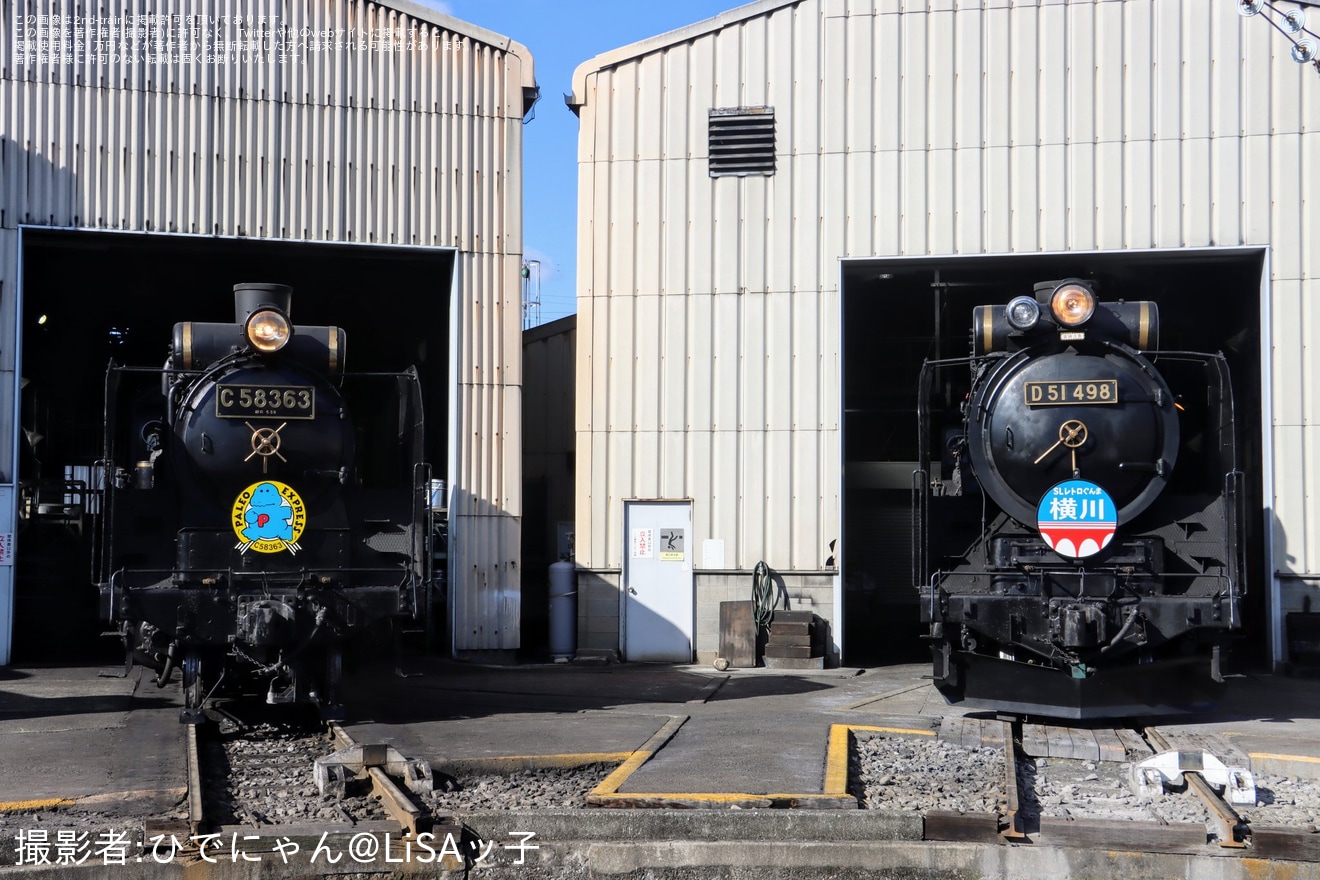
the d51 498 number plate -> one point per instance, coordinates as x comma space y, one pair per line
1070, 392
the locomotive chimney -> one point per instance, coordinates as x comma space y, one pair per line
250, 297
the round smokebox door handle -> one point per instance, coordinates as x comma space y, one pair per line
1072, 434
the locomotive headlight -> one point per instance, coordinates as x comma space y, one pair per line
1072, 304
1023, 313
268, 330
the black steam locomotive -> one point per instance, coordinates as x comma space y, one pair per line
1077, 541
263, 506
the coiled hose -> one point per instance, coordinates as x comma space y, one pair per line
763, 597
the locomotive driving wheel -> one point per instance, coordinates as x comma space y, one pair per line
194, 693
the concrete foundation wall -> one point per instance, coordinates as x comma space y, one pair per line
599, 610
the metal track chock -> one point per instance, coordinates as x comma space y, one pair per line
1151, 775
330, 770
377, 762
1231, 829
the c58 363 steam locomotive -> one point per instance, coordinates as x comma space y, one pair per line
263, 506
1077, 541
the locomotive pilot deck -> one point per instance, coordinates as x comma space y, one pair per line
725, 740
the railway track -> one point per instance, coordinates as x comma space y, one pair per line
286, 789
1151, 790
289, 789
252, 788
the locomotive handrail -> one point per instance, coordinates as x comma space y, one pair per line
180, 371
967, 361
421, 537
1186, 354
278, 578
110, 609
1092, 571
1232, 500
919, 480
939, 576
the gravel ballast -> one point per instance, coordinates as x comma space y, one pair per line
911, 774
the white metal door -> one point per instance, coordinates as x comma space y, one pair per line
657, 581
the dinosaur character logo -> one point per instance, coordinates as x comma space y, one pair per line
268, 517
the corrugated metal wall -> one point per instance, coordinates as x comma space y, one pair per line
307, 120
708, 308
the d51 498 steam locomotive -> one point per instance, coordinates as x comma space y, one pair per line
1077, 541
263, 506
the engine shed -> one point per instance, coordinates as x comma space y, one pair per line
787, 208
369, 155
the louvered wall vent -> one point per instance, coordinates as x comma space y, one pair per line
742, 141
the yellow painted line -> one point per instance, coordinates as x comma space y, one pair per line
43, 804
911, 731
722, 797
836, 760
1267, 756
574, 759
836, 772
610, 784
91, 800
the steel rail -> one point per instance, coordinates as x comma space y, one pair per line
196, 816
1013, 829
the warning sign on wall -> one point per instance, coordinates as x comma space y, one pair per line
643, 543
671, 545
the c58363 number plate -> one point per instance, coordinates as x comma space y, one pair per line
265, 401
1070, 392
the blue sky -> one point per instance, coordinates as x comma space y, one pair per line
561, 35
